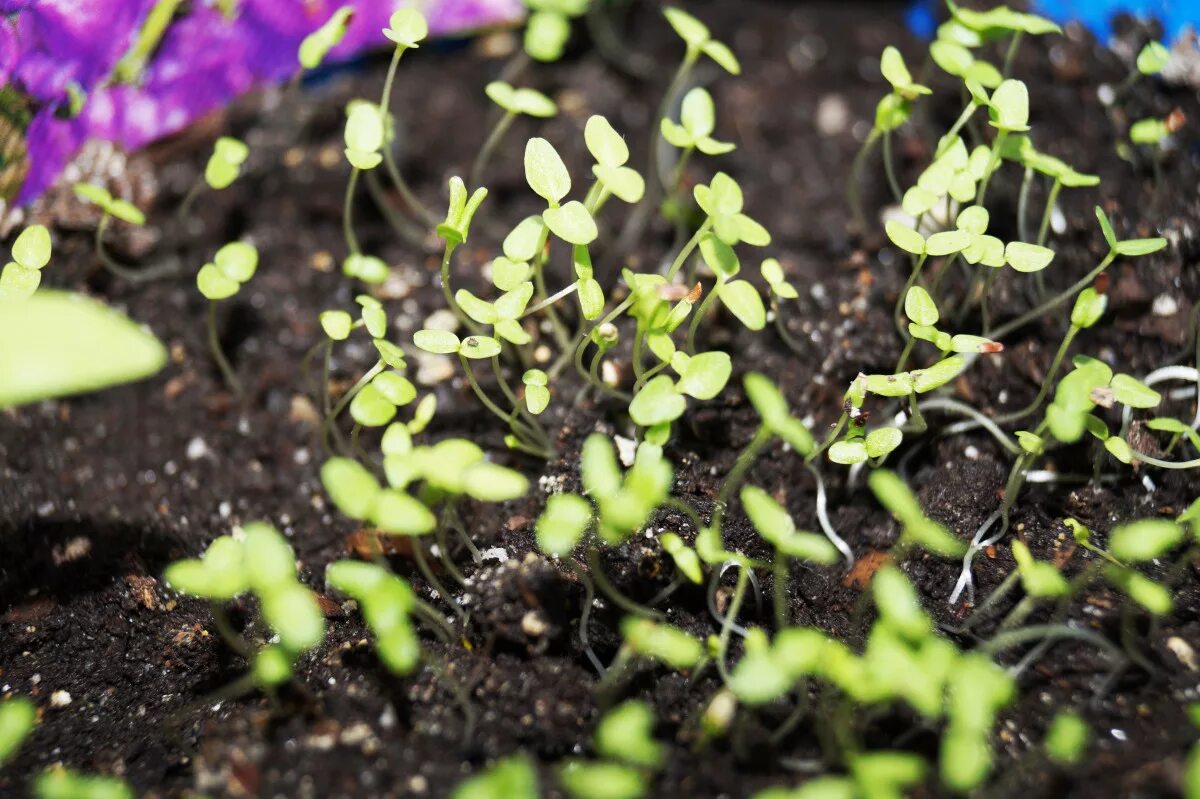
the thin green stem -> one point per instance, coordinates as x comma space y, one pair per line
1055, 301
214, 344
434, 583
700, 313
898, 313
489, 147
121, 270
345, 401
735, 605
348, 214
889, 168
1011, 55
1023, 205
1051, 199
389, 157
1047, 381
853, 190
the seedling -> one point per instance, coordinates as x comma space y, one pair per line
511, 778
115, 208
316, 45
387, 602
1067, 739
916, 529
697, 121
70, 344
17, 719
891, 112
62, 783
223, 168
222, 278
775, 525
549, 27
22, 275
262, 563
514, 102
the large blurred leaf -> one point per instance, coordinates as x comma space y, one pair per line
55, 344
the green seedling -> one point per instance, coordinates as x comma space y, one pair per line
611, 152
663, 643
115, 208
63, 783
815, 788
916, 529
892, 111
514, 102
453, 231
883, 774
17, 719
511, 778
978, 690
537, 392
699, 40
316, 45
1067, 739
22, 275
223, 168
625, 734
225, 164
70, 344
602, 780
387, 602
233, 265
777, 528
697, 121
549, 27
259, 562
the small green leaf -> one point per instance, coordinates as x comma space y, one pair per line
18, 282
601, 780
215, 284
32, 248
920, 307
898, 603
694, 32
406, 27
705, 375
697, 113
848, 452
947, 242
336, 324
1025, 257
625, 183
439, 342
395, 387
905, 237
523, 243
520, 101
489, 482
591, 298
625, 734
367, 268
317, 44
722, 55
546, 35
939, 374
1106, 228
1010, 106
1089, 307
604, 143
1133, 248
351, 487
661, 642
1067, 738
1040, 579
479, 310
1144, 540
562, 524
572, 223
479, 347
657, 402
1130, 391
545, 171
744, 302
398, 513
1153, 58
1141, 589
18, 716
370, 408
882, 441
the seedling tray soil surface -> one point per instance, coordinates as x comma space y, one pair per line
99, 493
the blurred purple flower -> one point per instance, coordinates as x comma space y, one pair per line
202, 62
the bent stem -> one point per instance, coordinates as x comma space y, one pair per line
389, 158
332, 416
121, 270
589, 596
727, 623
517, 425
489, 147
214, 344
889, 168
853, 193
1055, 301
404, 227
434, 583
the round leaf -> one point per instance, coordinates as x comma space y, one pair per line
32, 248
657, 402
439, 342
545, 171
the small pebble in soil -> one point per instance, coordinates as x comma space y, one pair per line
833, 115
196, 449
60, 699
1165, 305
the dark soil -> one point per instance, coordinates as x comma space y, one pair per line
98, 493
